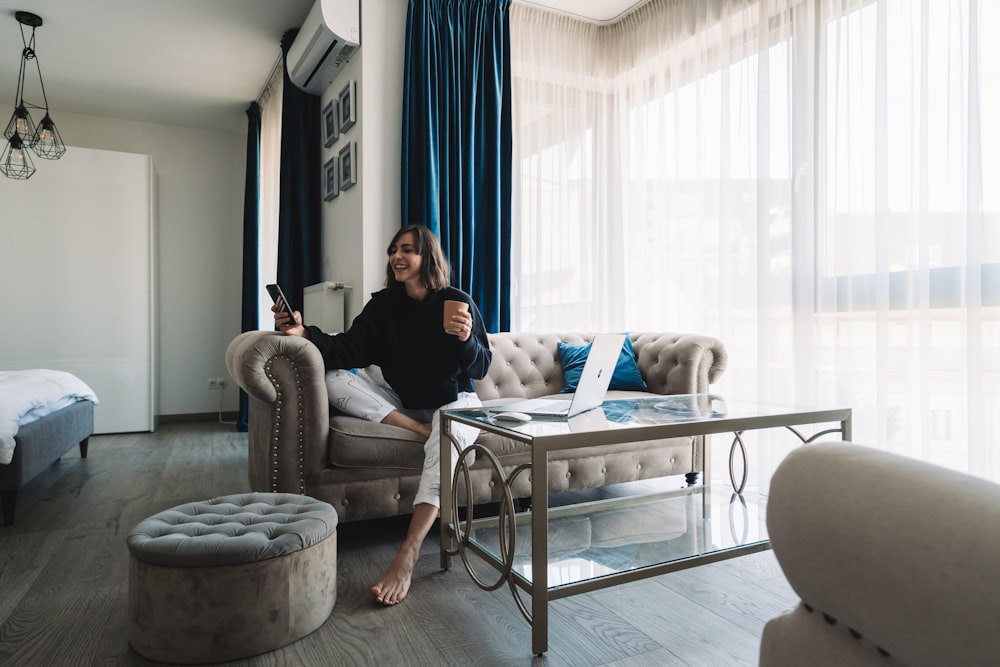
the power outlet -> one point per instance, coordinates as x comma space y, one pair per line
216, 383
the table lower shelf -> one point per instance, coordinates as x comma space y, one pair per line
601, 543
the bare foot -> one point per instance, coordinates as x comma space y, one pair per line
395, 583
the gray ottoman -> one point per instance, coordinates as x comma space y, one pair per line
231, 577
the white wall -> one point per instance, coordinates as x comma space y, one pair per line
359, 223
78, 267
200, 180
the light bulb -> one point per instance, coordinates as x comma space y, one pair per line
22, 126
46, 136
15, 156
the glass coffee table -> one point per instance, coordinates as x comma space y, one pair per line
563, 545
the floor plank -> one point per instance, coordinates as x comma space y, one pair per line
64, 577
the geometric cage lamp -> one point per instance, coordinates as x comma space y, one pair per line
21, 131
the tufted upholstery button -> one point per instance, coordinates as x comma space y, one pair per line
638, 466
344, 502
396, 496
568, 474
492, 483
673, 459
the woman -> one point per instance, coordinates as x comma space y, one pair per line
428, 365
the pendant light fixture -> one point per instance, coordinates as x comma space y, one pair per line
21, 132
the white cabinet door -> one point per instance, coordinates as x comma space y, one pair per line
77, 258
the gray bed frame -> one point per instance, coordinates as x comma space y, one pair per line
40, 444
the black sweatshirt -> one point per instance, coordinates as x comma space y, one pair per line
424, 365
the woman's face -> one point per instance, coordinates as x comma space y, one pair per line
404, 259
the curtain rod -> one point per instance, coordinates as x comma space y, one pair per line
270, 75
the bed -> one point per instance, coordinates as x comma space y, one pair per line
43, 414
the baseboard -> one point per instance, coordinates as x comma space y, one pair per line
198, 417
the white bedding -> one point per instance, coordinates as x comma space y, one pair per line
29, 395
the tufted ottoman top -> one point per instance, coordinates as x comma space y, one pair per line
231, 530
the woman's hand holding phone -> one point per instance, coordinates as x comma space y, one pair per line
286, 323
287, 320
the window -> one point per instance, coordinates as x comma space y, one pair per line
814, 185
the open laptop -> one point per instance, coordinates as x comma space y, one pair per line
590, 391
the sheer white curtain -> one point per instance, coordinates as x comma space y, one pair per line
270, 172
807, 180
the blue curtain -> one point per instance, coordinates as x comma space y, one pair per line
300, 248
457, 142
251, 224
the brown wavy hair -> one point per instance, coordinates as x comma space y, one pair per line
435, 272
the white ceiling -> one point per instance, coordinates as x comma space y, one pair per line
597, 11
193, 63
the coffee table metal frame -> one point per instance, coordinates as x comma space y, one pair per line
455, 535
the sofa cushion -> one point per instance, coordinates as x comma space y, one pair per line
626, 376
356, 443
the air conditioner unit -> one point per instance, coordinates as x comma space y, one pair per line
326, 41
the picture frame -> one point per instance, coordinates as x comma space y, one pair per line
331, 183
347, 103
331, 123
348, 158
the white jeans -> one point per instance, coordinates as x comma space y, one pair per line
367, 396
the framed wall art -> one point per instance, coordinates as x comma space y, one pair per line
331, 186
331, 124
348, 165
346, 101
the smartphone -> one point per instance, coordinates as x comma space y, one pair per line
279, 298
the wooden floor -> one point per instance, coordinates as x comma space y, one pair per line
64, 565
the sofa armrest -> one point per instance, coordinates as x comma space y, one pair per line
673, 363
900, 551
288, 408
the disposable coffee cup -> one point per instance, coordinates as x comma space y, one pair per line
452, 307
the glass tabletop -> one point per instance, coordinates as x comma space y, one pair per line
629, 413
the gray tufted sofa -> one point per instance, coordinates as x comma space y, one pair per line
297, 444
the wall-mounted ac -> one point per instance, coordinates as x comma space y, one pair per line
328, 38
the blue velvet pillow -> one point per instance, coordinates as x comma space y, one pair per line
626, 375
